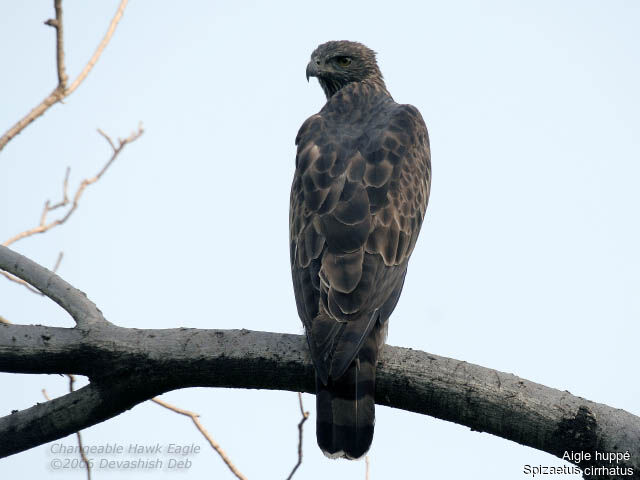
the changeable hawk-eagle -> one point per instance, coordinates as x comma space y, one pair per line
358, 198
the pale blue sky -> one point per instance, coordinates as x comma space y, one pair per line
528, 261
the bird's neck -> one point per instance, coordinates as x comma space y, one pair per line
356, 101
331, 87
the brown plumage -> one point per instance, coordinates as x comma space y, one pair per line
358, 198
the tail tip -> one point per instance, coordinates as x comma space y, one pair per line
349, 443
343, 454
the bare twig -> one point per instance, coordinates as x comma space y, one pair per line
305, 416
366, 468
72, 380
203, 431
83, 455
96, 55
57, 24
19, 281
57, 265
60, 92
65, 195
44, 226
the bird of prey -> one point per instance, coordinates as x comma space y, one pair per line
359, 195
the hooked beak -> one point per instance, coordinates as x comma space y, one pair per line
312, 69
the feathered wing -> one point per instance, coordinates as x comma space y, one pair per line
358, 199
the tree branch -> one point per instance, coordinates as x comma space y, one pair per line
128, 366
96, 55
60, 92
75, 302
305, 417
44, 226
58, 25
83, 455
215, 445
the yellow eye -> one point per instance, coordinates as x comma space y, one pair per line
343, 61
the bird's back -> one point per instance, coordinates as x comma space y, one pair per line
357, 203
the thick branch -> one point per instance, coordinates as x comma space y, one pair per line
99, 401
75, 302
128, 366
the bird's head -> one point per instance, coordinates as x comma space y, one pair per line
339, 63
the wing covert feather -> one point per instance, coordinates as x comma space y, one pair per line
358, 200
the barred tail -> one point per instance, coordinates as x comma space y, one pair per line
346, 405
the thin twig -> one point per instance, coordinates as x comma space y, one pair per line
57, 24
203, 431
83, 456
60, 92
305, 416
44, 226
57, 265
96, 55
65, 195
72, 380
19, 281
366, 468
